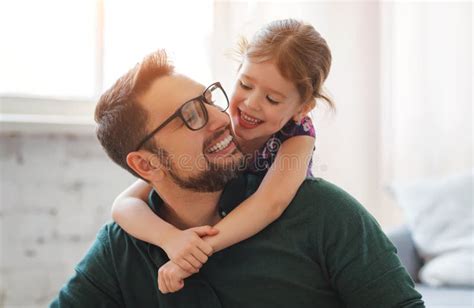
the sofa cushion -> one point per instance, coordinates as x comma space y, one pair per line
439, 213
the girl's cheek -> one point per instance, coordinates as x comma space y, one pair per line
234, 100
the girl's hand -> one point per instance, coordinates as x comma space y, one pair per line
171, 277
187, 249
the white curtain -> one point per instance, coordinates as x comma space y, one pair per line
427, 97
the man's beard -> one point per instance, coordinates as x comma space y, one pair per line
212, 178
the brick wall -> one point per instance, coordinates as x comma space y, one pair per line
56, 191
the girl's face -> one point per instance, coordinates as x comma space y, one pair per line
263, 101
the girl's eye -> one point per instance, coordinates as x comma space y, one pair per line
244, 86
272, 101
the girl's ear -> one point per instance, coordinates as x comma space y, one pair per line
303, 110
146, 165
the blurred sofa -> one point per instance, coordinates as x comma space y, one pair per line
434, 297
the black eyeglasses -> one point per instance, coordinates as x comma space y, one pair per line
193, 112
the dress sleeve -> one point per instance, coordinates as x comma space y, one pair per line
304, 128
93, 283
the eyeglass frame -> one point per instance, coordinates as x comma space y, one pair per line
178, 113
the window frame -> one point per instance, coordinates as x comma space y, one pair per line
35, 113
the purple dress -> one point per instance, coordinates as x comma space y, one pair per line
265, 156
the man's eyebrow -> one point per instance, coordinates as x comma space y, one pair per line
268, 89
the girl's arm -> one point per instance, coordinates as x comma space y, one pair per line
132, 213
184, 247
273, 196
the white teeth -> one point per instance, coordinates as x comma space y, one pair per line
249, 118
220, 145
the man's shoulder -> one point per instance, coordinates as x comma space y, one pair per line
326, 198
110, 230
316, 188
330, 208
112, 237
111, 248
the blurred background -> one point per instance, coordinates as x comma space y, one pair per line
401, 78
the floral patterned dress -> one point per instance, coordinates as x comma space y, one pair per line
265, 156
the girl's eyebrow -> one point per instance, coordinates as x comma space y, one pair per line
268, 89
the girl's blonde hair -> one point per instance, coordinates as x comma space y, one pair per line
300, 53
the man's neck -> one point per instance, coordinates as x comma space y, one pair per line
187, 209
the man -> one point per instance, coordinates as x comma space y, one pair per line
324, 251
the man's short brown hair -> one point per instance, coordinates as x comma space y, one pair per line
121, 120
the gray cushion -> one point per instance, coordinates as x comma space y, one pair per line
403, 241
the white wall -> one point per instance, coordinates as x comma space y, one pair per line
56, 191
431, 89
426, 89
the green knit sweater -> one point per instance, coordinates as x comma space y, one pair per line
325, 251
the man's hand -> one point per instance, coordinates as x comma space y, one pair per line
171, 277
187, 249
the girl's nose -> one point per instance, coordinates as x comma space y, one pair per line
252, 102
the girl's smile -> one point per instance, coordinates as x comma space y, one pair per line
247, 121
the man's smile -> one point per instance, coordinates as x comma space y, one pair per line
220, 145
223, 145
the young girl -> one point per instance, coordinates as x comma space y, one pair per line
280, 76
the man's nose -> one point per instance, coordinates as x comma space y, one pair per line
218, 119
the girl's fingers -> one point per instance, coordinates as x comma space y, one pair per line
186, 266
174, 284
205, 248
200, 256
194, 262
161, 283
169, 284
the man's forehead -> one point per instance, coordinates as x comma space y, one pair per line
171, 89
168, 93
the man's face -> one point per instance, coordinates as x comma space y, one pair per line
202, 160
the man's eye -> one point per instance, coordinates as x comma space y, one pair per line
244, 86
190, 118
272, 101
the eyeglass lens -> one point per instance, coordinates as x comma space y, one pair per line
215, 96
193, 113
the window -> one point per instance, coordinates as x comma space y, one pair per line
57, 53
48, 48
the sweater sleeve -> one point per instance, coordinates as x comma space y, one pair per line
360, 260
93, 283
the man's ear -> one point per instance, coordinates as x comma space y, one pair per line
146, 165
304, 110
